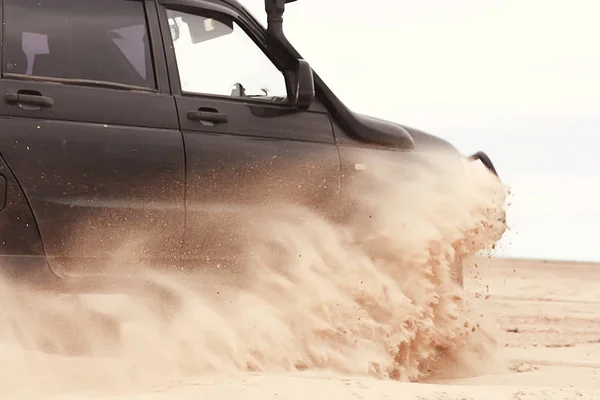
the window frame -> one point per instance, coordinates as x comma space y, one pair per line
158, 62
2, 38
196, 8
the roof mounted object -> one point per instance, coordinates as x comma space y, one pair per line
303, 87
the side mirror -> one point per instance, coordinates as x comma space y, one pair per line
305, 85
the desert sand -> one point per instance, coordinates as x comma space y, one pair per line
366, 310
548, 332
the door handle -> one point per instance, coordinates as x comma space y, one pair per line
30, 98
208, 115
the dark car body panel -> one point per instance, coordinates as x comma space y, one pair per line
265, 151
90, 164
16, 218
228, 174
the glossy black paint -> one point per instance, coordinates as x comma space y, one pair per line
92, 165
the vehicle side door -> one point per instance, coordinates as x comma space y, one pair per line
91, 133
245, 144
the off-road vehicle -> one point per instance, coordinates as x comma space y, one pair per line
151, 119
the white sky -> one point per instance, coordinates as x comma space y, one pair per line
519, 79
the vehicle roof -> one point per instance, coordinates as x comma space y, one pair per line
224, 3
232, 3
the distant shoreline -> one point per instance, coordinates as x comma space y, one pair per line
538, 260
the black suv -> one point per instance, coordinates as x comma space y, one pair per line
129, 116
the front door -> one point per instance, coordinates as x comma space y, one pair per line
245, 146
91, 132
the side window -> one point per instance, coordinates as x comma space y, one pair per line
215, 56
97, 40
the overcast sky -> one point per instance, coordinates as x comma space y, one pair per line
519, 79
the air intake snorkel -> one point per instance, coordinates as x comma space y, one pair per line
275, 10
300, 80
299, 75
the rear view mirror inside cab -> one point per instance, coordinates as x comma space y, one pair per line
200, 28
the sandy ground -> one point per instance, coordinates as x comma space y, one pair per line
368, 309
548, 318
548, 315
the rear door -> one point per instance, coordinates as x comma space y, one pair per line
245, 146
91, 133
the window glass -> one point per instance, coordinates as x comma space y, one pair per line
215, 56
99, 40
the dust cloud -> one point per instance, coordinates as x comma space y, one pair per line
374, 293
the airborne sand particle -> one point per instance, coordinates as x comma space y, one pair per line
372, 295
